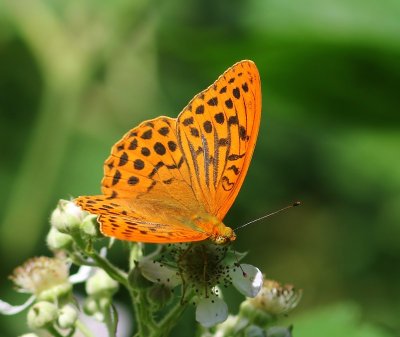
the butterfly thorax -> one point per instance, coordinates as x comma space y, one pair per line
218, 232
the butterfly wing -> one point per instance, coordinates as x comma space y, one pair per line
166, 172
146, 188
152, 221
217, 132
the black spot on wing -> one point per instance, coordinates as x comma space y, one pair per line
236, 93
147, 134
123, 159
133, 180
200, 109
138, 164
163, 131
219, 117
116, 178
159, 148
213, 101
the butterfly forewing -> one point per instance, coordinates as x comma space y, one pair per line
217, 132
166, 172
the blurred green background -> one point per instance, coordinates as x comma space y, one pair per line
76, 75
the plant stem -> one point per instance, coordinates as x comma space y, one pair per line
114, 272
171, 318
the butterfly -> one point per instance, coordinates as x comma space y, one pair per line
172, 180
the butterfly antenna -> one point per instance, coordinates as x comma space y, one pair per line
297, 203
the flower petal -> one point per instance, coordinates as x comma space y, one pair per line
248, 279
83, 273
211, 311
8, 309
158, 273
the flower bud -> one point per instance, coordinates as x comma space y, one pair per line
57, 240
90, 227
279, 331
101, 285
160, 295
29, 335
97, 307
67, 317
90, 306
254, 315
42, 314
67, 217
137, 280
254, 331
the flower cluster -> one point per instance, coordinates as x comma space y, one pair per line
163, 281
257, 315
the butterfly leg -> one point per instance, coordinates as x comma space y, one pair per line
184, 285
205, 271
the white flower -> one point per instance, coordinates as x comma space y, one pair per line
275, 299
29, 284
247, 279
211, 311
44, 277
201, 267
8, 309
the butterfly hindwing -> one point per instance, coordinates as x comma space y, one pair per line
147, 221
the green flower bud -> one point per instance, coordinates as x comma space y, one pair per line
101, 285
254, 315
96, 307
279, 331
159, 295
104, 303
67, 317
90, 306
90, 227
57, 240
41, 315
67, 217
254, 331
137, 280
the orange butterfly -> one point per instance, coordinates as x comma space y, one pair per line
173, 180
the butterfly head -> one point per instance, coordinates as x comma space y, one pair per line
222, 235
